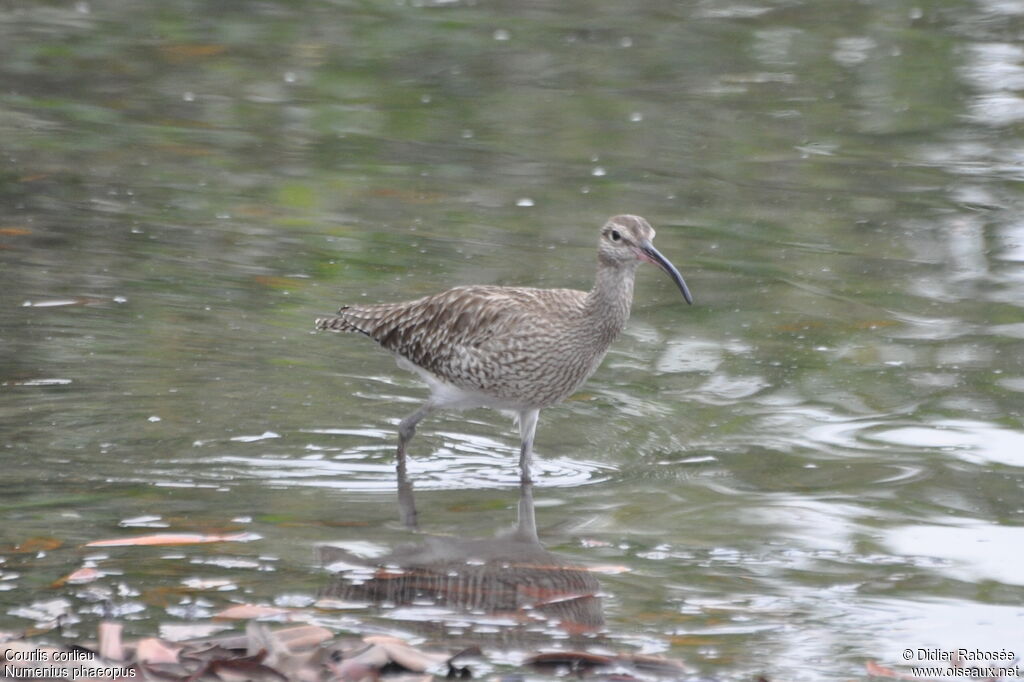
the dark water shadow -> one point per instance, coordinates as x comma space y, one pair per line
506, 590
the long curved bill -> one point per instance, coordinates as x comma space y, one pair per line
652, 255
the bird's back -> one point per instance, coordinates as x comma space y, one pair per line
523, 346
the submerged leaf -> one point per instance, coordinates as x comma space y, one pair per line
33, 545
85, 574
153, 650
111, 647
185, 52
249, 611
172, 539
244, 668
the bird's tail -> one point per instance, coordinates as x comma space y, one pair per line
337, 323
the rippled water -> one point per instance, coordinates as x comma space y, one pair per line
816, 466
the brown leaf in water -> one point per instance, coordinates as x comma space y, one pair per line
160, 539
237, 641
197, 652
248, 612
156, 651
240, 669
110, 646
246, 668
40, 628
303, 636
406, 656
356, 665
33, 545
164, 595
188, 51
15, 231
353, 671
364, 661
85, 574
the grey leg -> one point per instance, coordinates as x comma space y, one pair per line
526, 521
406, 501
406, 430
527, 428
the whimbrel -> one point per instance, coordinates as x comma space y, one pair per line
511, 348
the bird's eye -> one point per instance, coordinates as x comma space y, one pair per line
616, 236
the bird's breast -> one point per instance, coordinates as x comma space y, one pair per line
536, 372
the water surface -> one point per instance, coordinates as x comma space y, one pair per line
818, 465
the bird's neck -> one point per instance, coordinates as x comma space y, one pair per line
607, 305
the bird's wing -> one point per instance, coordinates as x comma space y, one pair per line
436, 331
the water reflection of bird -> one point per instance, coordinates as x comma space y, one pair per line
511, 348
511, 576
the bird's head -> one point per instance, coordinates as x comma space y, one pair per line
626, 241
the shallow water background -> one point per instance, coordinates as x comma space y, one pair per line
819, 464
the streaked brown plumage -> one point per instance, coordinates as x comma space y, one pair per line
511, 348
